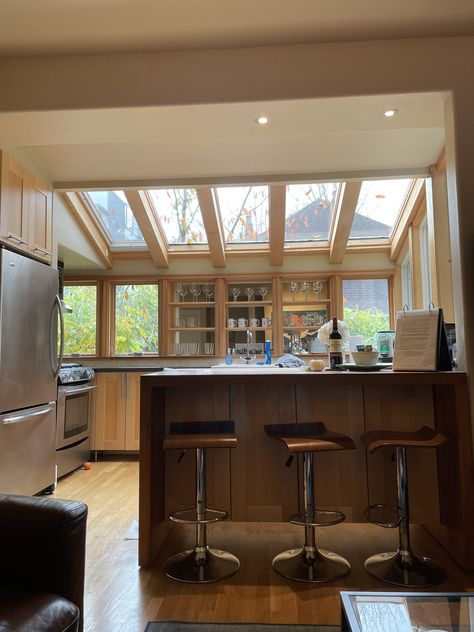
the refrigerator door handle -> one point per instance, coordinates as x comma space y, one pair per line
35, 412
57, 368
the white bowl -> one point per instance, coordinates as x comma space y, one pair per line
365, 358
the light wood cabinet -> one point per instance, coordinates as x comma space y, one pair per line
117, 411
25, 210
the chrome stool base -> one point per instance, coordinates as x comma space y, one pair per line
201, 566
410, 571
324, 567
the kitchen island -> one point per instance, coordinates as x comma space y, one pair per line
253, 483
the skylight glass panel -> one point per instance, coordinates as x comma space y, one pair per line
309, 209
180, 215
244, 213
116, 217
378, 206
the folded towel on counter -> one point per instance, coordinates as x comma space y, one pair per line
288, 361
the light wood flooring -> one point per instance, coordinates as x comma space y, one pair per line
121, 597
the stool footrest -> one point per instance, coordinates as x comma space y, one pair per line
190, 516
319, 518
392, 512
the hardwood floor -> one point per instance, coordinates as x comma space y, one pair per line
121, 597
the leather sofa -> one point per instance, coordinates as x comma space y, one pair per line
42, 558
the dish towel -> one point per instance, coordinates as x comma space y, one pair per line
289, 361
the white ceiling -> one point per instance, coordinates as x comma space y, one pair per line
49, 27
215, 142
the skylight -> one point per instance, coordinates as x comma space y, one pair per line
379, 204
180, 215
244, 213
309, 209
116, 217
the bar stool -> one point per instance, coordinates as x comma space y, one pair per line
310, 564
200, 564
402, 567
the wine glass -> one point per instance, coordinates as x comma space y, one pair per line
292, 289
181, 291
249, 291
208, 290
263, 291
305, 288
318, 287
235, 291
195, 290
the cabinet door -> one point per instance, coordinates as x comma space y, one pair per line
14, 200
132, 430
40, 221
110, 411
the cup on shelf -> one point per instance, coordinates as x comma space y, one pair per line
266, 322
231, 322
254, 322
180, 321
208, 348
243, 322
193, 321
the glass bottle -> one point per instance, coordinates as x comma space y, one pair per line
229, 359
335, 346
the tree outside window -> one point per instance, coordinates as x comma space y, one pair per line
136, 318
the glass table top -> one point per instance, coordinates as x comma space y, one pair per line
407, 612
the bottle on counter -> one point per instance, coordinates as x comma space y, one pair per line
229, 357
336, 353
268, 352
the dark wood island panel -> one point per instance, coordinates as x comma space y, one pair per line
252, 483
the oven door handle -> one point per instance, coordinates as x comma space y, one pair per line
79, 389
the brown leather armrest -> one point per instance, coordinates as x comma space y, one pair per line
42, 546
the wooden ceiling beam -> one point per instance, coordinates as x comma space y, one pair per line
149, 226
88, 226
343, 217
412, 205
277, 223
212, 226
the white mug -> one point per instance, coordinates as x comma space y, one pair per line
266, 322
243, 322
231, 322
254, 322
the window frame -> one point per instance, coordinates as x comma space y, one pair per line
88, 283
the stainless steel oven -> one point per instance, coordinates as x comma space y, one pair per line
73, 417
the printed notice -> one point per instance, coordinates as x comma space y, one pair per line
416, 341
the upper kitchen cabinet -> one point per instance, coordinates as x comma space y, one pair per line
25, 210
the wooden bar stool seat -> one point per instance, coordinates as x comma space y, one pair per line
402, 567
200, 564
310, 564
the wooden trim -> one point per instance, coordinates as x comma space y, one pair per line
148, 224
277, 328
415, 262
88, 227
276, 227
412, 205
343, 218
441, 162
212, 226
220, 315
163, 316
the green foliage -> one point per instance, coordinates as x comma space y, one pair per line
80, 326
366, 322
136, 318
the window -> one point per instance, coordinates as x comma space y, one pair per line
425, 263
366, 307
116, 218
180, 215
406, 283
378, 206
309, 209
244, 213
136, 318
80, 327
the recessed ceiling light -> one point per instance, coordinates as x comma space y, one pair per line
262, 120
389, 113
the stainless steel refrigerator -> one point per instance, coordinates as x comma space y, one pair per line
29, 308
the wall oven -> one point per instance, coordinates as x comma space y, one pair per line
75, 395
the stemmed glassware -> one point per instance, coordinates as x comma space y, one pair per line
235, 291
181, 291
249, 291
208, 290
292, 289
305, 288
195, 290
318, 287
263, 291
